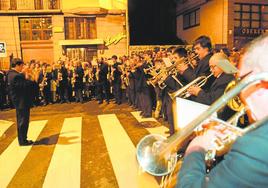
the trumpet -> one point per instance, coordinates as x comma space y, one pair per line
183, 93
157, 155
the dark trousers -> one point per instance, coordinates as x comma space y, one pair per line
63, 90
138, 100
131, 96
117, 92
169, 113
23, 117
103, 91
146, 102
78, 95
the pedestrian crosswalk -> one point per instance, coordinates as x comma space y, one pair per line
4, 125
64, 169
13, 156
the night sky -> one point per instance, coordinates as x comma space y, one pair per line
152, 22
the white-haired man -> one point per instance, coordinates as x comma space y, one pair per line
218, 86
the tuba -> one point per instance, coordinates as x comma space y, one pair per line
235, 103
158, 155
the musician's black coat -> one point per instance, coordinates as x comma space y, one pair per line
201, 69
21, 93
20, 90
215, 91
103, 67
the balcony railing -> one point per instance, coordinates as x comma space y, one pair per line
29, 4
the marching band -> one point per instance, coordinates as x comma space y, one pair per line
146, 79
151, 81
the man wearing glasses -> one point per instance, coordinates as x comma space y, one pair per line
246, 164
218, 86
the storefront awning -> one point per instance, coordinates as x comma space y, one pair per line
81, 42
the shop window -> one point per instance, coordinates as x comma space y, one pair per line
245, 23
237, 15
255, 24
245, 16
251, 15
191, 19
35, 28
237, 7
255, 16
237, 23
246, 8
80, 28
265, 17
255, 8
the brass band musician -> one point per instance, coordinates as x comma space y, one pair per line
246, 163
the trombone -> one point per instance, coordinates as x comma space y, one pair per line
183, 93
157, 155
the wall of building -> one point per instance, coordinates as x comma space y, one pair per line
10, 34
69, 4
58, 34
113, 4
110, 26
213, 22
107, 4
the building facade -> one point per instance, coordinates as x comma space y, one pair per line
46, 30
231, 23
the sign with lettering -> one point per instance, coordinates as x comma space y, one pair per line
3, 49
114, 40
249, 32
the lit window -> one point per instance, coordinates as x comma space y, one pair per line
191, 19
80, 28
35, 28
251, 15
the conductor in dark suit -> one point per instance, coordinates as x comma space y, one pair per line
20, 90
218, 86
246, 163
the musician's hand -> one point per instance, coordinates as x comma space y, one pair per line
202, 143
194, 90
181, 68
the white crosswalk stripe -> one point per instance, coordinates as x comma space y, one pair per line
64, 168
154, 130
14, 155
4, 125
122, 153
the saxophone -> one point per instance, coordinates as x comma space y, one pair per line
44, 82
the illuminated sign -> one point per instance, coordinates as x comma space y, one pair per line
114, 40
249, 32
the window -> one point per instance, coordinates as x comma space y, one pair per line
35, 28
80, 28
29, 4
251, 16
191, 19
